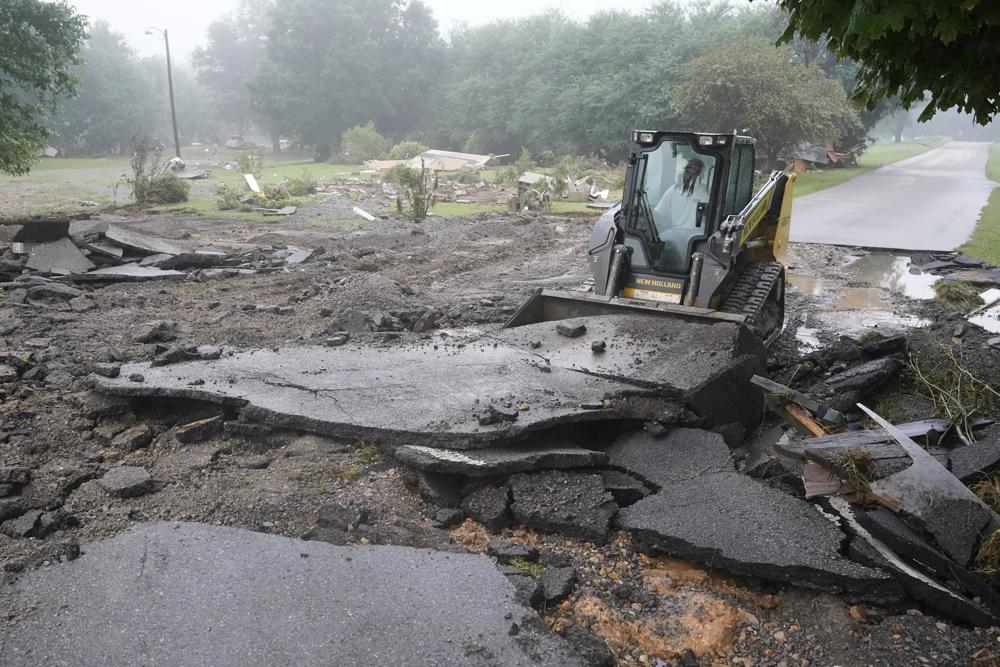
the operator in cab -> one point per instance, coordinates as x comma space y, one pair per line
676, 214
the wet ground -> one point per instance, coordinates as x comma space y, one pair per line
467, 273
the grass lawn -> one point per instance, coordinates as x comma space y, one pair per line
876, 156
985, 241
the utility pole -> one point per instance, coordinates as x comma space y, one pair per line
170, 86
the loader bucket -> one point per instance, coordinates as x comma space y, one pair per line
553, 305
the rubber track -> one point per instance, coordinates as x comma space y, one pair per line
749, 295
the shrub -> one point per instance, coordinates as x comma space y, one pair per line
301, 185
407, 150
167, 189
363, 142
418, 186
227, 197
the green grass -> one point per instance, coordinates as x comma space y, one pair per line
985, 241
454, 210
876, 156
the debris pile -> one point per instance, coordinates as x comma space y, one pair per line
94, 251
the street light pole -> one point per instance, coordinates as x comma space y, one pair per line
170, 87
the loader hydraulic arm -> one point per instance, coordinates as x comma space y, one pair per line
756, 225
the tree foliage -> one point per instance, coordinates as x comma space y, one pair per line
110, 107
362, 142
334, 64
751, 85
39, 42
946, 48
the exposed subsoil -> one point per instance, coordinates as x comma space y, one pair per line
393, 275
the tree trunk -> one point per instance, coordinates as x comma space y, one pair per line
275, 141
899, 136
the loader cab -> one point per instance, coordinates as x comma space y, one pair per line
679, 188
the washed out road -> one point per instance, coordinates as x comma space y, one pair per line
928, 202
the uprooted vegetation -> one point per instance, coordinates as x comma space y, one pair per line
957, 394
151, 182
958, 295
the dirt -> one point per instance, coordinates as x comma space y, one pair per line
470, 272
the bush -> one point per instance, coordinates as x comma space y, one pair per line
363, 142
407, 150
419, 187
167, 189
301, 185
547, 159
227, 197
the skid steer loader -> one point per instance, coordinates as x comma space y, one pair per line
689, 238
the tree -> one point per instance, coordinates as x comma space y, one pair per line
333, 64
945, 48
362, 142
751, 84
109, 108
228, 63
39, 42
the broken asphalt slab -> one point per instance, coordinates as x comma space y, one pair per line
434, 394
60, 257
681, 454
730, 521
497, 461
132, 272
141, 242
413, 395
204, 595
708, 363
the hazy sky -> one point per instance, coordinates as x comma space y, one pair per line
186, 20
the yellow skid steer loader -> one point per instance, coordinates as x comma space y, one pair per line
689, 239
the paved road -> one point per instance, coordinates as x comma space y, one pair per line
928, 202
188, 594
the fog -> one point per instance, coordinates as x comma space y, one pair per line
186, 20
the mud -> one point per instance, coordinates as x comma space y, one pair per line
390, 283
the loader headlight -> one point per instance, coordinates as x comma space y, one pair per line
706, 141
645, 137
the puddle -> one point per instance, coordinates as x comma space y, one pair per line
856, 310
989, 318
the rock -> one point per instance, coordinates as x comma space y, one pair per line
136, 377
23, 526
497, 460
157, 332
134, 438
126, 482
247, 429
82, 304
342, 517
994, 343
338, 340
683, 454
175, 355
733, 434
446, 517
569, 503
885, 346
571, 331
441, 490
12, 508
208, 352
736, 523
557, 584
625, 489
599, 347
488, 505
506, 551
202, 429
253, 462
50, 522
149, 245
54, 292
108, 370
527, 590
98, 406
8, 374
15, 475
7, 490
